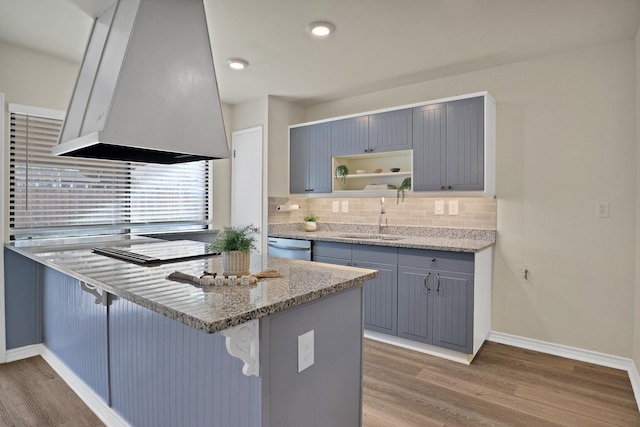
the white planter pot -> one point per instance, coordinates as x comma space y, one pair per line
310, 226
236, 263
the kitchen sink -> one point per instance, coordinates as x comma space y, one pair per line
371, 237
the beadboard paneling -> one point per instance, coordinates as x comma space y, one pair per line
75, 329
164, 373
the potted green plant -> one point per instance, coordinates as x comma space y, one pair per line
310, 222
236, 244
405, 185
341, 172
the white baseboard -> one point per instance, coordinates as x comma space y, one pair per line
574, 353
432, 350
24, 352
99, 407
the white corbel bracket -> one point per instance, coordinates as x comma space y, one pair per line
101, 295
243, 342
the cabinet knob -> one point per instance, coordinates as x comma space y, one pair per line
442, 187
433, 260
449, 187
311, 189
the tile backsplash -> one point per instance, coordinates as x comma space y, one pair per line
473, 212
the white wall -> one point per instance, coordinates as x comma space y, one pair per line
281, 114
636, 331
565, 140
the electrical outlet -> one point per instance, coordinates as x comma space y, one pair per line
453, 207
305, 350
439, 207
336, 206
602, 210
345, 206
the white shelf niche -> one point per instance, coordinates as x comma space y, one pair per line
369, 162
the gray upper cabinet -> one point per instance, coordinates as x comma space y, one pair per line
310, 159
448, 143
375, 133
465, 144
390, 131
350, 136
429, 147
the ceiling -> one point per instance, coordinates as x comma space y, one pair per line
378, 44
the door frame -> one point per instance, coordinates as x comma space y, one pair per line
3, 227
263, 221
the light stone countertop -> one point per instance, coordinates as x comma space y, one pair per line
441, 239
209, 308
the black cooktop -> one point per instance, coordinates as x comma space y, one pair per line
150, 254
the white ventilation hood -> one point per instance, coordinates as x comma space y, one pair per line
147, 88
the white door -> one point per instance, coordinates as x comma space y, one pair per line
246, 180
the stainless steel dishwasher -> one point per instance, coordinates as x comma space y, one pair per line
289, 248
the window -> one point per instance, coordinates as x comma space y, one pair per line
67, 196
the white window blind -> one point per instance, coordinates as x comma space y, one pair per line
67, 196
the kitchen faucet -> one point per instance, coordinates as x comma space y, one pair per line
382, 212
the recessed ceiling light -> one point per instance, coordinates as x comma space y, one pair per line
237, 63
321, 29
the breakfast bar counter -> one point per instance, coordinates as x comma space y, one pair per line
143, 350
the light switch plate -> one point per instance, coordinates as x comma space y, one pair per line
453, 207
305, 350
345, 206
336, 206
439, 207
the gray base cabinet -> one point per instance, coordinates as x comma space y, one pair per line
421, 295
435, 298
381, 293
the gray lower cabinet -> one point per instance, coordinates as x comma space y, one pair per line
310, 159
435, 298
421, 295
448, 146
381, 293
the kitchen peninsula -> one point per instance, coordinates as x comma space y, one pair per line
158, 352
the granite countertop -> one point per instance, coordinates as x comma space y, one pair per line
208, 308
441, 239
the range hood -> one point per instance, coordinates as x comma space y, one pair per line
147, 88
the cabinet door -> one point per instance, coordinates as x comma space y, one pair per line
350, 136
453, 311
331, 250
381, 298
319, 159
465, 144
331, 260
429, 147
381, 293
415, 304
390, 131
298, 159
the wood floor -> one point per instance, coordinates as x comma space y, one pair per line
505, 386
32, 394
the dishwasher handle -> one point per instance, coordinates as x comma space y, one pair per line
292, 248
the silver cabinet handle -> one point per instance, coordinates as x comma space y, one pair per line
426, 280
438, 290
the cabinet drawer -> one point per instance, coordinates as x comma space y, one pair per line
459, 262
332, 250
376, 254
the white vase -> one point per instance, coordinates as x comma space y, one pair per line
310, 226
236, 263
